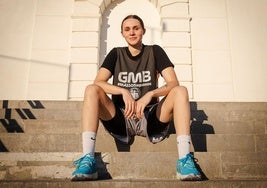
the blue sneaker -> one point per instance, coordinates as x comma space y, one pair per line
85, 169
186, 169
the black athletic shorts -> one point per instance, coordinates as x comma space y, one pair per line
149, 126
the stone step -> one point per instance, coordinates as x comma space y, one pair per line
51, 126
22, 142
132, 165
40, 126
221, 116
200, 111
195, 106
207, 117
136, 183
211, 115
40, 114
41, 104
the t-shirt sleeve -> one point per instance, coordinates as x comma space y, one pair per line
161, 58
110, 60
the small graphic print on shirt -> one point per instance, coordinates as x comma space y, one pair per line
135, 92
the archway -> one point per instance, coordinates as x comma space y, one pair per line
111, 22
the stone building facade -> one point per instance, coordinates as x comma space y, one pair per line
50, 50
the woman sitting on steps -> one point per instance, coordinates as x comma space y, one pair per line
135, 108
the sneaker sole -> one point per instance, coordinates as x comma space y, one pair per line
84, 177
189, 177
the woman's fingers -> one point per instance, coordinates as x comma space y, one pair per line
140, 111
129, 109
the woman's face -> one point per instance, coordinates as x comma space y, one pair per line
133, 32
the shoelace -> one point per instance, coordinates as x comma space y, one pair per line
187, 160
83, 161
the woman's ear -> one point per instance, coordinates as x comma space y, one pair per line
122, 34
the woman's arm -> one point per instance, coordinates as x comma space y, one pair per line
101, 80
171, 81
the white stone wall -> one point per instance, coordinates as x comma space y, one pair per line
16, 30
34, 49
49, 70
52, 49
211, 51
86, 22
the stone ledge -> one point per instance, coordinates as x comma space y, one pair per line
133, 165
144, 183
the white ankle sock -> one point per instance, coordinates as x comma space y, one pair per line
183, 145
88, 142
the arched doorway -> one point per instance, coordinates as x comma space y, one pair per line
114, 14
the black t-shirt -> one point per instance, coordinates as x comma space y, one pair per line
139, 74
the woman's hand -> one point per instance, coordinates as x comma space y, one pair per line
129, 102
142, 103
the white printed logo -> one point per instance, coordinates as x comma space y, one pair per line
130, 77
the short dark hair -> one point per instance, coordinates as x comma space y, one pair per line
134, 17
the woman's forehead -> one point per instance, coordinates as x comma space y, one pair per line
131, 22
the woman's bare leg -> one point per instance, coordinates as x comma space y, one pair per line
176, 105
96, 105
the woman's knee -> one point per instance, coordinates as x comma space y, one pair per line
92, 91
180, 92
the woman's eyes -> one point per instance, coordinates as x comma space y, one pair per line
135, 28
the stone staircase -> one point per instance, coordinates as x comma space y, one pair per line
40, 139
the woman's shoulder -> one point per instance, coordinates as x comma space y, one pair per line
156, 47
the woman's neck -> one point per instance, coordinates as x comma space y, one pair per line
135, 50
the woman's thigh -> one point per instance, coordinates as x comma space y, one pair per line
166, 105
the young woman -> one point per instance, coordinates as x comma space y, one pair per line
135, 108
